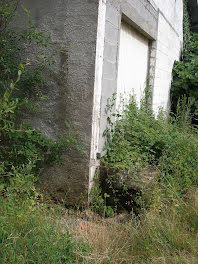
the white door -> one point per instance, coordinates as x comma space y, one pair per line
132, 65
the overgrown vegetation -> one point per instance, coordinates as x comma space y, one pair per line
166, 233
30, 233
26, 234
141, 140
185, 81
164, 228
142, 149
163, 224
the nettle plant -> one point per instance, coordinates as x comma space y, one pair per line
23, 150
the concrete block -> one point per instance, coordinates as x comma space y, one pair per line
110, 52
111, 33
113, 15
109, 70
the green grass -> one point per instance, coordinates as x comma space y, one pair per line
30, 234
165, 232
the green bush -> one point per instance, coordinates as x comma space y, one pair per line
139, 140
185, 72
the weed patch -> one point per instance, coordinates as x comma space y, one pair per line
142, 149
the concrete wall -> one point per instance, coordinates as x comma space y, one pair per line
86, 38
72, 25
173, 12
168, 49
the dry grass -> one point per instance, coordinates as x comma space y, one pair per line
108, 242
165, 236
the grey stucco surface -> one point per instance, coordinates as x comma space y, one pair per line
72, 25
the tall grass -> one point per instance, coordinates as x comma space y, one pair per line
166, 229
164, 232
164, 236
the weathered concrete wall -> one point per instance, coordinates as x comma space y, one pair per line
72, 25
86, 37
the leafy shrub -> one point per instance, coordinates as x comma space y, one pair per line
21, 146
98, 203
185, 72
141, 141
